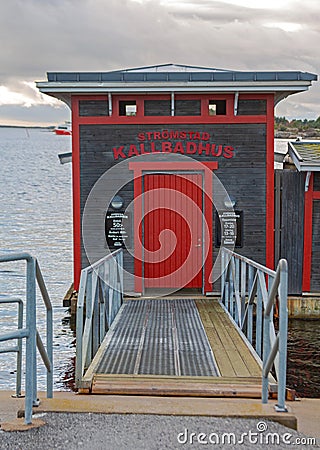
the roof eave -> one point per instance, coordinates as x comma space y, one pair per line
306, 167
96, 87
299, 163
63, 91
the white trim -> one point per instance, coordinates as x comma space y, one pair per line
235, 104
110, 103
147, 87
306, 185
172, 104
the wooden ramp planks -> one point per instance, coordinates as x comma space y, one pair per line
176, 386
232, 355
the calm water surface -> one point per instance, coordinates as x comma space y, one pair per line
303, 373
35, 216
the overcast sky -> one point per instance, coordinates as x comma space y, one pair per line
37, 36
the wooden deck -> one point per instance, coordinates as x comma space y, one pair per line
232, 355
239, 374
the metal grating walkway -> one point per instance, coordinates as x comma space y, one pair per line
158, 337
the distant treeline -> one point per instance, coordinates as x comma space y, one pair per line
283, 124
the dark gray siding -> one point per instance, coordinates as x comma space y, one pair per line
187, 107
316, 181
315, 268
291, 223
252, 107
93, 108
244, 175
157, 108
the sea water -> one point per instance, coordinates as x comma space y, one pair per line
36, 217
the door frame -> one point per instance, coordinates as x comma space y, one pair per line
139, 169
175, 172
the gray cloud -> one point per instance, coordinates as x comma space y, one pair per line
65, 35
40, 114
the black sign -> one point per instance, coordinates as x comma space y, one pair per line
118, 229
229, 226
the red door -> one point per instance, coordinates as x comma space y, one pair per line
173, 230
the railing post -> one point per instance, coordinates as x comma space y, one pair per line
243, 289
31, 381
79, 327
231, 289
266, 352
250, 306
19, 355
259, 321
250, 277
50, 352
237, 307
102, 316
89, 313
283, 331
120, 267
223, 276
95, 311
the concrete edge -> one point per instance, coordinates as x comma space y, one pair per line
19, 425
175, 406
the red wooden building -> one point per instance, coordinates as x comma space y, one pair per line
170, 162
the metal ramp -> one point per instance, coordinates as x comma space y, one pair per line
173, 347
158, 337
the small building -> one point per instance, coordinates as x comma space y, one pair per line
170, 162
298, 216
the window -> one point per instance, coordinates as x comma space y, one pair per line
217, 107
127, 108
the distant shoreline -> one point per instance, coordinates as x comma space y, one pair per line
49, 127
293, 135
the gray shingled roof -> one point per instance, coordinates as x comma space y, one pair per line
305, 155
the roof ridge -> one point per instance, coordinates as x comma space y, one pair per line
172, 65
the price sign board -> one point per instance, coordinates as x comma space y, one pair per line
229, 229
118, 229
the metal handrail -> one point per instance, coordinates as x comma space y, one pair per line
30, 332
18, 348
245, 283
99, 299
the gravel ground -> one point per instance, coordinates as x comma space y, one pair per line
139, 432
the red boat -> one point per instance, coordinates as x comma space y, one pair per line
64, 129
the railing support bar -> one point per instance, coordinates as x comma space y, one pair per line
31, 340
43, 353
79, 327
19, 355
283, 327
